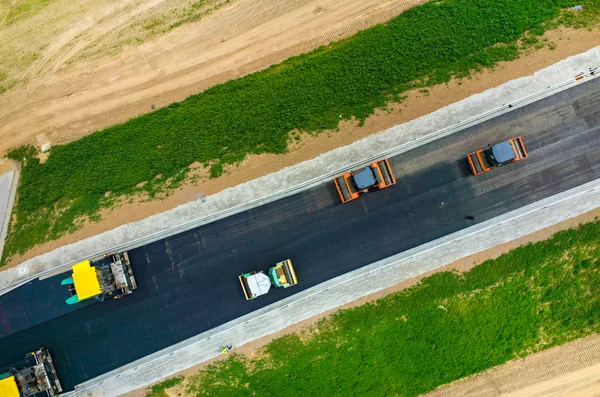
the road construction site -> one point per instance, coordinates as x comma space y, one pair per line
574, 42
188, 282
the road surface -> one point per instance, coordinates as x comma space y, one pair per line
188, 283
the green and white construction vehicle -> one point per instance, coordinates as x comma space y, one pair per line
255, 284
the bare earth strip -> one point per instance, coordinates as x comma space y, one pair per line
63, 102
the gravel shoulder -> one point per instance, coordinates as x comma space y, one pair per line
8, 181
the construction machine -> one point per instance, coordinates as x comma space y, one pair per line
255, 284
378, 175
502, 153
109, 276
36, 375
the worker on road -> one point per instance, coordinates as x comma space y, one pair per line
226, 349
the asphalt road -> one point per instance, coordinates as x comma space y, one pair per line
188, 283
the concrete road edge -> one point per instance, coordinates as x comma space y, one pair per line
5, 220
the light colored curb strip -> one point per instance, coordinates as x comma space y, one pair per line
344, 289
248, 195
16, 174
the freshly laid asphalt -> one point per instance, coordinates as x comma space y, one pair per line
39, 301
188, 283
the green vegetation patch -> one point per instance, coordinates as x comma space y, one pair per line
22, 153
151, 24
158, 390
15, 10
447, 327
425, 45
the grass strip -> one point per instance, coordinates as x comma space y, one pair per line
423, 46
158, 390
447, 327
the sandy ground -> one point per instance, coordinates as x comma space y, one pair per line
66, 98
569, 42
568, 370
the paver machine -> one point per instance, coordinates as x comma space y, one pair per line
502, 153
109, 276
255, 284
377, 176
36, 375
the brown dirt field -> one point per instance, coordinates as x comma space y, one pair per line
569, 42
557, 371
66, 97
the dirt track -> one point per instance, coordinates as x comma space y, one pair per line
64, 101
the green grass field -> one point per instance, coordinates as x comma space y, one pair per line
158, 390
425, 45
447, 327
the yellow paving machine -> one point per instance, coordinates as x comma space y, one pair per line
110, 276
36, 374
255, 284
